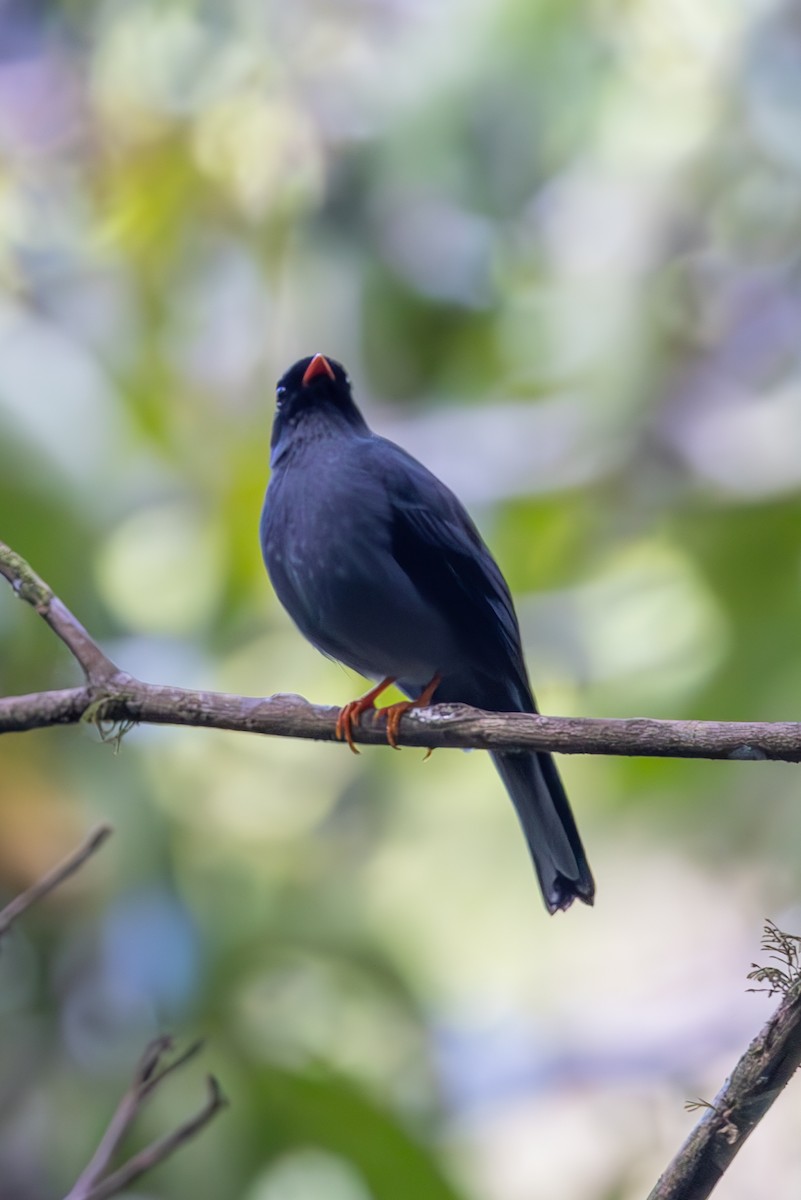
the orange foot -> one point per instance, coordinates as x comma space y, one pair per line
394, 712
350, 714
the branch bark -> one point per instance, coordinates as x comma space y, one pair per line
110, 696
755, 1083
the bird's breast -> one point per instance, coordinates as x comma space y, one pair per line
326, 541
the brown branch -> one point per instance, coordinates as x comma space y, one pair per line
112, 696
457, 726
759, 1077
96, 665
47, 883
150, 1074
147, 1077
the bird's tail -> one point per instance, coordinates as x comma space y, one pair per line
533, 783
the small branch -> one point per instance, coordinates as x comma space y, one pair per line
756, 1082
162, 1149
96, 665
146, 1077
53, 879
111, 696
150, 1074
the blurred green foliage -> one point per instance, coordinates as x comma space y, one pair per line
556, 246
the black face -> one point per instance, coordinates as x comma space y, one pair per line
314, 391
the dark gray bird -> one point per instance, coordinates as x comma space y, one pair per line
381, 568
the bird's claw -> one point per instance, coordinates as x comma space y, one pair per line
393, 714
350, 715
347, 717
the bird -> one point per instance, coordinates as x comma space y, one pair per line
381, 568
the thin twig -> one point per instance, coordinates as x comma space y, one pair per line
755, 1083
151, 1072
162, 1149
96, 665
122, 1119
47, 883
159, 1071
149, 1075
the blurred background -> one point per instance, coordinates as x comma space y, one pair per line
556, 245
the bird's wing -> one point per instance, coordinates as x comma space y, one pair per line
438, 547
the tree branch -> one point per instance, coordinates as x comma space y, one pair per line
150, 1074
759, 1077
48, 882
96, 665
444, 725
111, 696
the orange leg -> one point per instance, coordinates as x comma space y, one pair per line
349, 715
394, 712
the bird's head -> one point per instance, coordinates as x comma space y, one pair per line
313, 399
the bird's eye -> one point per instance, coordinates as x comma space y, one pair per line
280, 394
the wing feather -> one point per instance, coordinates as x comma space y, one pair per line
436, 544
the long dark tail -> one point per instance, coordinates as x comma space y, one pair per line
533, 783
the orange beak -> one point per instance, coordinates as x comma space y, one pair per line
319, 365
